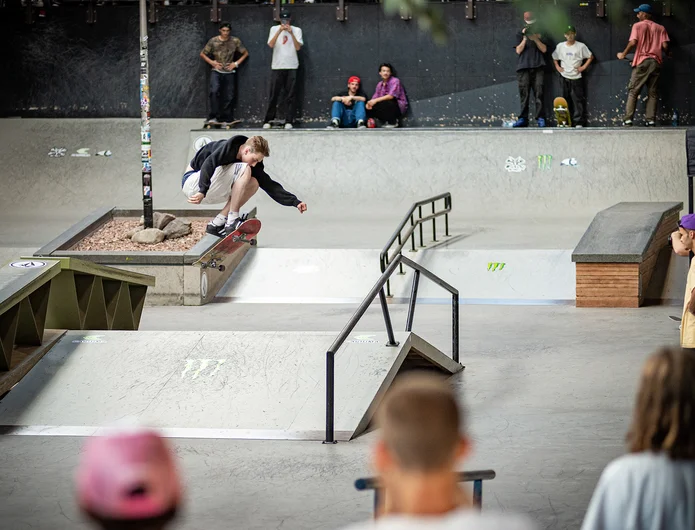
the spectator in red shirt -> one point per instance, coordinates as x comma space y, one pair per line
650, 39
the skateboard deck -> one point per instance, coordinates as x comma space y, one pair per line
675, 318
562, 113
277, 124
220, 124
244, 235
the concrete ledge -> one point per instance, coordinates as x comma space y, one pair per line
623, 233
624, 248
77, 231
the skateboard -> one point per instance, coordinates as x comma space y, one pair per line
562, 113
277, 124
675, 319
221, 124
245, 234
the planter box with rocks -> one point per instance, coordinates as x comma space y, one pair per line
116, 237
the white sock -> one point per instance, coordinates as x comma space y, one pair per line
231, 217
219, 220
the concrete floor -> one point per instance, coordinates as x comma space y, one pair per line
548, 389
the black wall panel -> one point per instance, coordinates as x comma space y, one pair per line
63, 67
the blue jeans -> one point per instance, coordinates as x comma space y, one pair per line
349, 116
221, 96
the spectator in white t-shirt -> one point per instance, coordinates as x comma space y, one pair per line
285, 40
569, 58
653, 487
421, 441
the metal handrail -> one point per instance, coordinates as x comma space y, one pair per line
378, 290
477, 477
385, 258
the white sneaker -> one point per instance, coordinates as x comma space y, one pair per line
390, 125
266, 125
360, 124
288, 126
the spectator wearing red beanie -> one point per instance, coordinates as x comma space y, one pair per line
348, 109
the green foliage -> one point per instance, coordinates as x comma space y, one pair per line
428, 16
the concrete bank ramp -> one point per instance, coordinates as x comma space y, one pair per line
264, 385
344, 276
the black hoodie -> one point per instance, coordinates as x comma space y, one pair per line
224, 152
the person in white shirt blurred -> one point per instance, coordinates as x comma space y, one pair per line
421, 441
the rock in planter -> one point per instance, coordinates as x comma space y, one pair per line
148, 236
177, 228
185, 221
159, 220
132, 232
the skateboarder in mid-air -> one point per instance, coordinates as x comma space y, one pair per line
231, 171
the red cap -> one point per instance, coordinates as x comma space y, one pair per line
128, 476
353, 79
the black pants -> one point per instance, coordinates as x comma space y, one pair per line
222, 91
573, 92
283, 88
387, 111
531, 79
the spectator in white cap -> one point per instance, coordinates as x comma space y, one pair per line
129, 480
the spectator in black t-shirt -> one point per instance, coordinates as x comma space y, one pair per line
349, 108
530, 69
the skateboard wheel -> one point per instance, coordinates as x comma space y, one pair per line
236, 239
203, 265
221, 268
253, 242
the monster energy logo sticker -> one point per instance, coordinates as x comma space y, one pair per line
491, 267
545, 162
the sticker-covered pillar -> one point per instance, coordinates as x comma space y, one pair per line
145, 135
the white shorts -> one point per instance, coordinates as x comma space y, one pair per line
221, 183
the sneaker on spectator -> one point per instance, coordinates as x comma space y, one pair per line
360, 124
288, 125
521, 122
627, 123
335, 124
578, 126
266, 125
651, 123
371, 123
541, 122
388, 125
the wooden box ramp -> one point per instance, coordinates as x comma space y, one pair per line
40, 296
253, 385
623, 250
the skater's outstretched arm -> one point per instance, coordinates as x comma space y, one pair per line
275, 189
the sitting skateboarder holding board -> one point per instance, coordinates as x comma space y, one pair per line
231, 171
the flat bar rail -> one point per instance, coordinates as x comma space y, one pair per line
416, 224
378, 290
476, 477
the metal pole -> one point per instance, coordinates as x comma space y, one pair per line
330, 397
412, 235
690, 193
446, 224
434, 225
478, 493
422, 244
400, 265
387, 319
455, 327
413, 299
145, 136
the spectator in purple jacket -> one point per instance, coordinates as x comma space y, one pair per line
388, 104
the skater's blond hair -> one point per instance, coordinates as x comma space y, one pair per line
259, 145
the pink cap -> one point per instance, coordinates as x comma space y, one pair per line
128, 476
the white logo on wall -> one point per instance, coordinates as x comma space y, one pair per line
28, 264
204, 285
201, 141
515, 165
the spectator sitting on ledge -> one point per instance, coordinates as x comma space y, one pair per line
388, 104
348, 109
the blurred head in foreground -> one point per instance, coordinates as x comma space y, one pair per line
421, 442
664, 414
129, 480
